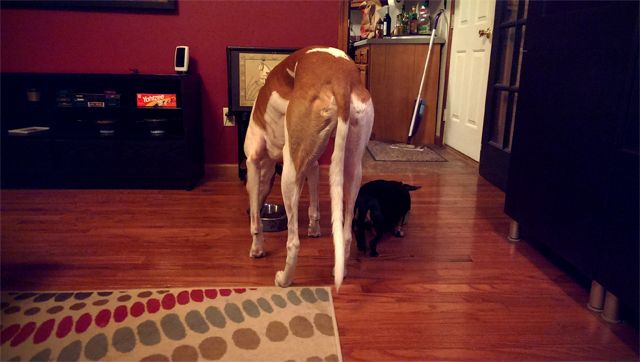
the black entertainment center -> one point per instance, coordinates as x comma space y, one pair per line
101, 130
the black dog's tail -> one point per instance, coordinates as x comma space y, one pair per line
410, 187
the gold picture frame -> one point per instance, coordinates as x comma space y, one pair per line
247, 70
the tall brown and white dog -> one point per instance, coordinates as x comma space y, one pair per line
306, 97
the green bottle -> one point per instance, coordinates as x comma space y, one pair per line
424, 19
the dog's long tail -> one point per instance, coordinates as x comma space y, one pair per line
336, 178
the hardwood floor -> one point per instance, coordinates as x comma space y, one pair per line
452, 288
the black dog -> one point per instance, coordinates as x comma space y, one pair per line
381, 205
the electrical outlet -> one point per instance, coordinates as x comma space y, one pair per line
228, 119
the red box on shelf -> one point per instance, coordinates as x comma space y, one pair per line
157, 100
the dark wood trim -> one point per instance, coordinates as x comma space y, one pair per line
491, 163
503, 87
510, 117
439, 140
343, 25
493, 74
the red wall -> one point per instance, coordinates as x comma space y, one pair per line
113, 42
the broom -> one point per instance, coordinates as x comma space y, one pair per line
419, 104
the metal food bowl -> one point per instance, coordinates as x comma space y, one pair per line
274, 218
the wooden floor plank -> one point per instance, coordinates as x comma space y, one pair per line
452, 288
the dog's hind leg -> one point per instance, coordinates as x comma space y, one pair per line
260, 170
259, 182
378, 224
373, 244
291, 184
397, 230
314, 213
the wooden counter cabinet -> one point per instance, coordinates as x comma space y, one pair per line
392, 73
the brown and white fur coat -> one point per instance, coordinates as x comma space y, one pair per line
307, 97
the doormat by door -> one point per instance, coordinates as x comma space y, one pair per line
220, 324
381, 151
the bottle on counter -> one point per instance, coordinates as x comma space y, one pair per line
406, 19
399, 29
424, 19
379, 28
413, 22
387, 24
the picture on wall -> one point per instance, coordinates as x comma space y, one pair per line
248, 69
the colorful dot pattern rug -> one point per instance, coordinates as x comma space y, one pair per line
207, 324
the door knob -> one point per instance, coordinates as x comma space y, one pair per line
486, 32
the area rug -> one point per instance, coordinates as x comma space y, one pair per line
227, 324
381, 151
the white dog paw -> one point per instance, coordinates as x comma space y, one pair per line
313, 232
314, 229
397, 232
280, 280
257, 253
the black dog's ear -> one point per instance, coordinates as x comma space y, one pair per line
410, 187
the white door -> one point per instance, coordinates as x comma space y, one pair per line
470, 55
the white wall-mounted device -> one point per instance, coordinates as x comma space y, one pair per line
181, 59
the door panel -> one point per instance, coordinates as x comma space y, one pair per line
457, 71
476, 105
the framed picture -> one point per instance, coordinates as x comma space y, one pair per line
142, 5
247, 70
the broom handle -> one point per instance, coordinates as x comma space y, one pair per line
424, 74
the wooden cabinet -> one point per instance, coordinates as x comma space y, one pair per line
573, 178
99, 135
392, 73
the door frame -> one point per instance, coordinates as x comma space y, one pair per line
343, 24
447, 65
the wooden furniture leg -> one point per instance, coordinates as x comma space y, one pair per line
596, 297
611, 308
514, 231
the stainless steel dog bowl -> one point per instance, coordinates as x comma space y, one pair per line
274, 218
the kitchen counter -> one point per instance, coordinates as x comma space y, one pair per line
403, 39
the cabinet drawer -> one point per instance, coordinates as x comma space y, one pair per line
112, 159
26, 161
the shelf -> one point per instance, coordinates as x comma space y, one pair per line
110, 146
167, 110
35, 135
